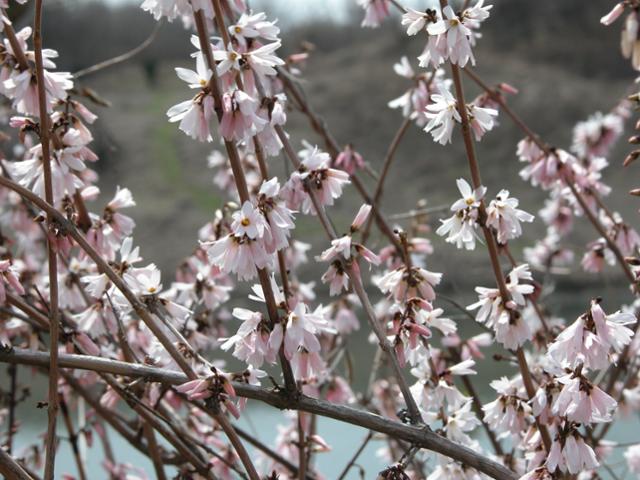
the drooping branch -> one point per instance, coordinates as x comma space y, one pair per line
489, 237
419, 436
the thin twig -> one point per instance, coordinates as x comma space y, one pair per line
270, 452
11, 423
123, 57
355, 456
73, 438
388, 160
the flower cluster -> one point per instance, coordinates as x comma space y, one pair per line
156, 343
450, 35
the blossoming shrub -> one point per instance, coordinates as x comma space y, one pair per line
143, 356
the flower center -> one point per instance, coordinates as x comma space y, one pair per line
469, 201
238, 29
245, 222
233, 56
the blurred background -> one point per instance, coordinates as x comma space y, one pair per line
565, 64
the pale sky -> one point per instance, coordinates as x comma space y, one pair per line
294, 10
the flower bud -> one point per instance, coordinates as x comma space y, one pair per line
613, 15
631, 158
361, 217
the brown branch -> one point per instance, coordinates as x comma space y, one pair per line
567, 181
73, 438
11, 421
154, 451
10, 468
490, 240
21, 58
356, 281
241, 183
52, 407
114, 422
302, 457
419, 436
138, 307
150, 417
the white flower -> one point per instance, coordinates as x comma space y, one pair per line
460, 228
415, 20
505, 217
442, 115
481, 119
588, 340
249, 221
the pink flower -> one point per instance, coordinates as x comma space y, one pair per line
510, 327
326, 183
543, 168
504, 216
217, 386
306, 364
339, 391
596, 256
435, 52
581, 401
279, 217
418, 21
588, 340
458, 31
349, 160
302, 329
336, 277
632, 455
166, 8
194, 116
242, 256
251, 26
251, 341
121, 225
239, 119
510, 413
9, 276
340, 247
595, 136
417, 282
262, 60
571, 455
375, 12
